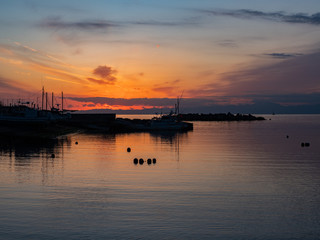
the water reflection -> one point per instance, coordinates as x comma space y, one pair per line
232, 179
25, 156
170, 137
53, 160
173, 139
26, 149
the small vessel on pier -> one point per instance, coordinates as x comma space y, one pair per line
27, 112
24, 118
168, 122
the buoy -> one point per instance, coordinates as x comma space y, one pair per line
149, 161
302, 144
76, 143
154, 161
307, 144
135, 161
141, 161
128, 149
53, 156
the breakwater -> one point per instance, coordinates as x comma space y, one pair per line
218, 117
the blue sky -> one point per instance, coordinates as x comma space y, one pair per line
140, 55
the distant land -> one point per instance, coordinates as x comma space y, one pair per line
257, 108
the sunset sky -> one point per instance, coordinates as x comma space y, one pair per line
141, 54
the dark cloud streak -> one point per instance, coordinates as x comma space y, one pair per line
282, 55
127, 102
298, 74
91, 25
57, 23
100, 81
302, 18
281, 103
159, 23
292, 99
9, 86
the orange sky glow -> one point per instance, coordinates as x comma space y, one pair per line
213, 53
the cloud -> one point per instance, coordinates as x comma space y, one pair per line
279, 103
100, 81
126, 102
27, 53
228, 43
289, 99
176, 81
91, 25
169, 88
30, 58
79, 31
161, 23
56, 23
302, 18
4, 84
292, 81
149, 102
212, 89
282, 55
9, 87
106, 73
294, 75
166, 90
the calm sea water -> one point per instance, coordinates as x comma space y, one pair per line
223, 180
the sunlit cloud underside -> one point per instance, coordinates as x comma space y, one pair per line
141, 56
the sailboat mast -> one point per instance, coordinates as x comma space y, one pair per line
62, 102
52, 101
46, 101
178, 106
42, 101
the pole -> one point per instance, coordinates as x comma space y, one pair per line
46, 101
42, 98
62, 101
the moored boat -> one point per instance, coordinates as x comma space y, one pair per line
24, 114
25, 119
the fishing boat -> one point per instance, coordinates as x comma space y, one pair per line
27, 119
27, 112
167, 122
24, 114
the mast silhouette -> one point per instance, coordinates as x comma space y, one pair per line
62, 102
46, 101
42, 101
52, 102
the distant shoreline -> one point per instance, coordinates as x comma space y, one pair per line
218, 117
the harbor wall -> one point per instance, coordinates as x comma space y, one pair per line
93, 118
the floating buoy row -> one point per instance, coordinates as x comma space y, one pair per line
141, 161
305, 144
